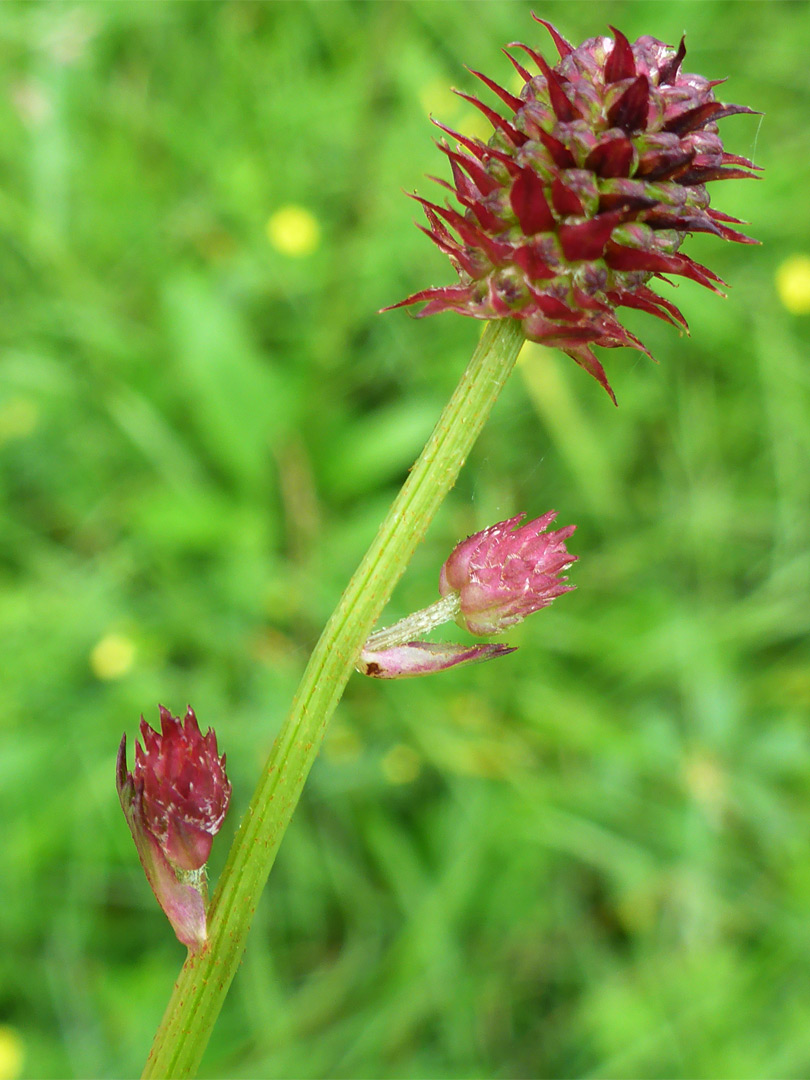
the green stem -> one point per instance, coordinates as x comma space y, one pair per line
205, 978
415, 625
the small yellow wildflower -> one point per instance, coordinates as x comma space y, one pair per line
294, 230
793, 284
112, 657
11, 1053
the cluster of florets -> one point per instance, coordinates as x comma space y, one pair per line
584, 194
175, 801
506, 572
185, 792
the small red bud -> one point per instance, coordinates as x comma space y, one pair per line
175, 801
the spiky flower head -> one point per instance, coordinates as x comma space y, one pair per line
506, 572
175, 801
584, 194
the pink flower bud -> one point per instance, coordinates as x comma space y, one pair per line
175, 801
416, 658
504, 573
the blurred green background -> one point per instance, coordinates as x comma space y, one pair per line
591, 858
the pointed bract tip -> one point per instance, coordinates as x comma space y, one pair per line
564, 48
121, 764
417, 658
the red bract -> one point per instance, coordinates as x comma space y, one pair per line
413, 659
175, 801
504, 573
584, 194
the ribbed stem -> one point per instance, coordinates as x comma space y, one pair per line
205, 978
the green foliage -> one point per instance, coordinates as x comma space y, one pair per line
588, 858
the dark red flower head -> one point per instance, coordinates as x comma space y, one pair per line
583, 194
185, 792
175, 801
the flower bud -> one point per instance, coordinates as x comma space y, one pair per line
504, 573
175, 801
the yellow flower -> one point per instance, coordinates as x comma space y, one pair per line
112, 657
11, 1053
294, 230
793, 284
